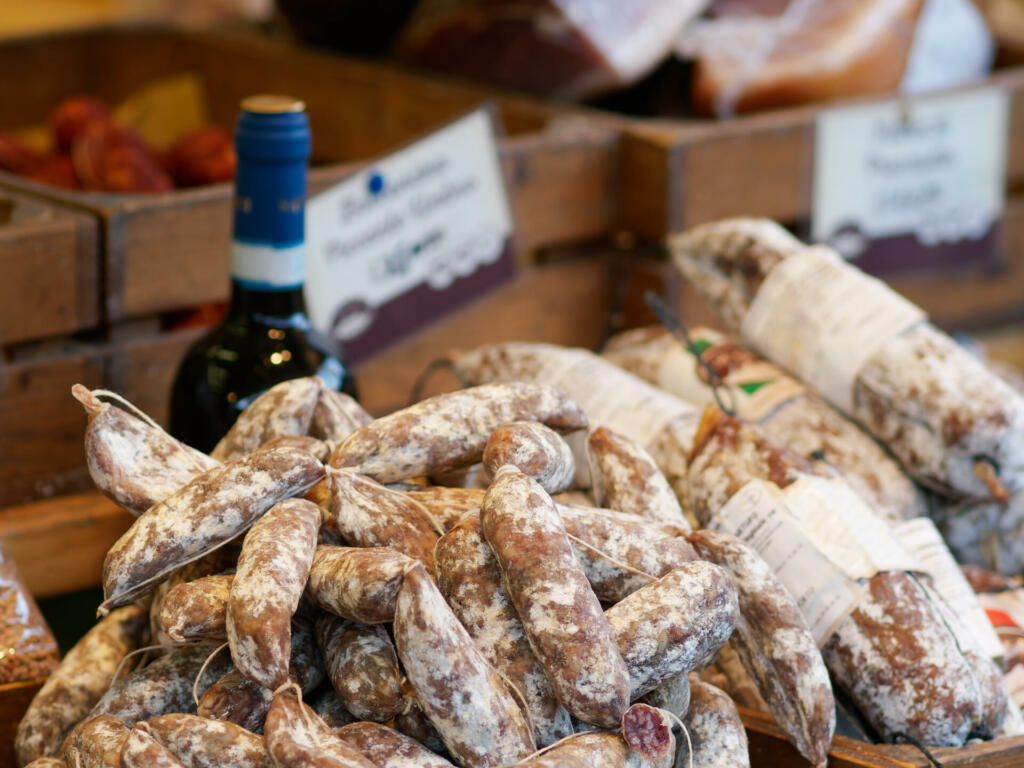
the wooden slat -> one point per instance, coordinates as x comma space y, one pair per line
41, 426
14, 700
769, 749
59, 544
49, 264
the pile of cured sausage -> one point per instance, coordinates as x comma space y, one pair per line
561, 564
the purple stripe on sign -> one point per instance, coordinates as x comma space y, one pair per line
906, 255
418, 307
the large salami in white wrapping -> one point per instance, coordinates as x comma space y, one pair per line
954, 425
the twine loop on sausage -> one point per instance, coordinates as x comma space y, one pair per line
294, 686
199, 675
143, 649
686, 733
610, 559
896, 737
679, 331
441, 363
125, 404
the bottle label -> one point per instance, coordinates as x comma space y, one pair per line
261, 267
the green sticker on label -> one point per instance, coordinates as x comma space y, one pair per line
700, 346
752, 387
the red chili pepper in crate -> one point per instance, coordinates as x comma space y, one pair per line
111, 158
205, 155
71, 116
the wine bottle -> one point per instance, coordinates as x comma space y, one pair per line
266, 336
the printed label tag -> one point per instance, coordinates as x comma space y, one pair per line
922, 538
823, 320
912, 183
845, 529
410, 238
758, 515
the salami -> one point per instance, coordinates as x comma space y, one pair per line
387, 748
367, 514
311, 445
464, 698
131, 460
470, 579
952, 423
199, 742
449, 431
626, 478
203, 515
891, 653
265, 592
74, 687
296, 737
96, 743
674, 624
336, 416
284, 409
362, 665
535, 450
561, 614
197, 610
776, 647
787, 412
142, 750
716, 731
357, 584
163, 686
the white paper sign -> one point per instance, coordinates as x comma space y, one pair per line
894, 182
409, 238
612, 397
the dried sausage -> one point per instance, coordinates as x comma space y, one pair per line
560, 612
450, 431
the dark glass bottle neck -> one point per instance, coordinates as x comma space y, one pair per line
288, 306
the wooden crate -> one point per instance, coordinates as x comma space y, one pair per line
164, 252
680, 173
49, 263
769, 749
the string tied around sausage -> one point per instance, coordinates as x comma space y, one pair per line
202, 669
906, 737
610, 559
111, 396
297, 689
686, 733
